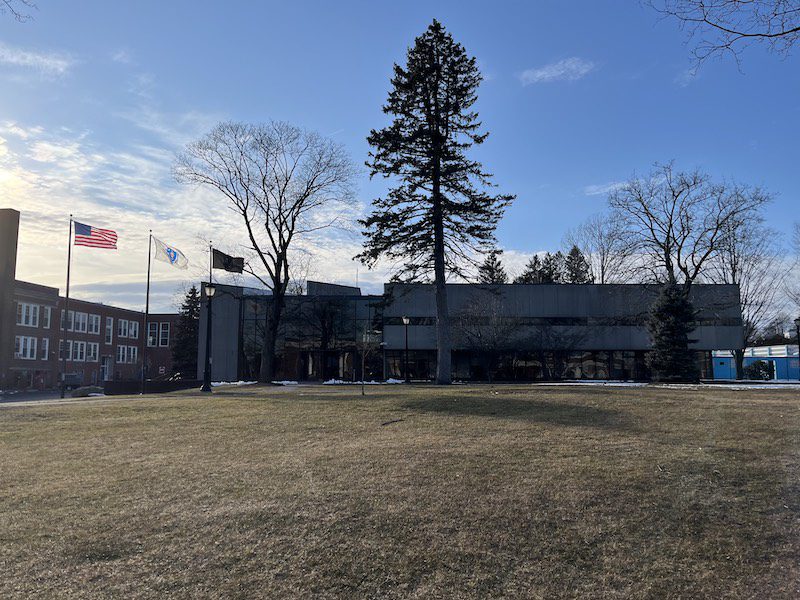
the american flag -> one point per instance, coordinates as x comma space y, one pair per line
86, 235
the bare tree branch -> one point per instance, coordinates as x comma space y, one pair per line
18, 9
675, 221
285, 183
728, 26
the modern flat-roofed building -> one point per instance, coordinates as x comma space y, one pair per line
503, 332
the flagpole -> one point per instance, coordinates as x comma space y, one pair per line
66, 313
146, 332
208, 294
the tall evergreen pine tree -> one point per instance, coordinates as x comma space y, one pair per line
184, 352
576, 267
552, 268
532, 272
671, 321
492, 270
438, 214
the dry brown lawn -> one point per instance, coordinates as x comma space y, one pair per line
464, 492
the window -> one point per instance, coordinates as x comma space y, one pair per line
46, 314
152, 334
122, 328
81, 320
109, 330
133, 329
61, 350
70, 318
164, 337
27, 314
25, 347
94, 324
92, 351
79, 351
132, 354
45, 350
120, 354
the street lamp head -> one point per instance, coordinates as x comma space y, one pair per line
210, 290
406, 320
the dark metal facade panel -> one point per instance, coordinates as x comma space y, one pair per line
596, 317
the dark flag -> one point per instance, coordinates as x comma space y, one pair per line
229, 263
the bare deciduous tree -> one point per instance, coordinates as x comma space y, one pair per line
749, 255
675, 220
19, 9
285, 183
602, 241
793, 287
728, 26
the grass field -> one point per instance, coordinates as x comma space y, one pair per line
464, 492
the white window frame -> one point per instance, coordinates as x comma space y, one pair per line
70, 322
152, 334
25, 347
94, 324
27, 314
92, 352
47, 315
164, 327
120, 355
44, 353
80, 322
109, 331
133, 330
131, 354
122, 328
79, 351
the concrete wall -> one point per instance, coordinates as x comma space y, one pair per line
593, 317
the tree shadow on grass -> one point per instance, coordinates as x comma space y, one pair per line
557, 413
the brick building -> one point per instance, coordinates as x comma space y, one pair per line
101, 342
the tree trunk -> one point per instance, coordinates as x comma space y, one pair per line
272, 321
443, 356
738, 357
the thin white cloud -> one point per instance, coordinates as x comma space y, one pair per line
603, 189
568, 69
47, 174
122, 56
44, 62
685, 77
13, 129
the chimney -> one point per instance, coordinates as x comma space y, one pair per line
9, 232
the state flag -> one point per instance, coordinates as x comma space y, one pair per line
170, 254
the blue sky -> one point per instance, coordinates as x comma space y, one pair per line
97, 96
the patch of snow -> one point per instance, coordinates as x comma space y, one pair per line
595, 383
285, 383
371, 382
220, 383
96, 394
740, 385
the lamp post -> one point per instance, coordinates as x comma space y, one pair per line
797, 329
209, 291
406, 321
